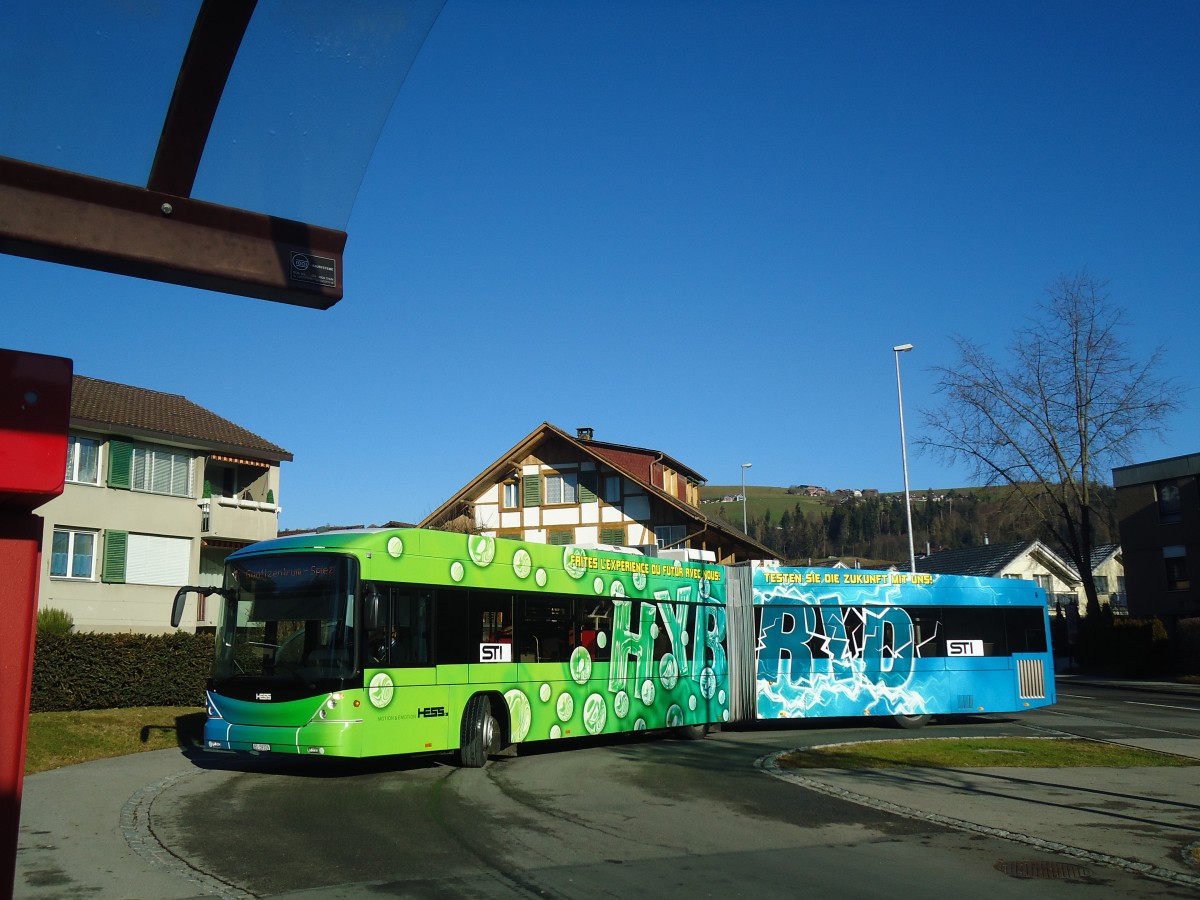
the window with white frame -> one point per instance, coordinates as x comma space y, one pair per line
73, 554
83, 460
512, 495
562, 489
162, 470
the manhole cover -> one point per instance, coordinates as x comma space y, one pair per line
1029, 868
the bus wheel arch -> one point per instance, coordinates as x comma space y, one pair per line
689, 732
483, 730
911, 722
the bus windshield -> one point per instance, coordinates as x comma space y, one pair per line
288, 617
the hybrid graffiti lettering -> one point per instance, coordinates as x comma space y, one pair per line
811, 658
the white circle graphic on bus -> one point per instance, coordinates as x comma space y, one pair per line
540, 577
555, 732
544, 692
521, 714
457, 571
395, 547
692, 702
380, 690
602, 640
581, 665
565, 706
574, 562
616, 589
639, 580
522, 563
639, 725
482, 549
674, 716
621, 704
598, 585
668, 671
647, 692
595, 714
708, 682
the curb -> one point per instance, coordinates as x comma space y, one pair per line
769, 765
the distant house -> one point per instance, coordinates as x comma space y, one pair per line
554, 488
1031, 560
1158, 510
1108, 571
158, 492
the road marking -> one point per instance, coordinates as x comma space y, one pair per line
1160, 705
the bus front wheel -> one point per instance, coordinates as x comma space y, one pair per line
479, 733
911, 721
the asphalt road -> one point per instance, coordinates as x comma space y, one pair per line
649, 817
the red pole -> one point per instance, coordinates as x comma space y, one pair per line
20, 555
35, 411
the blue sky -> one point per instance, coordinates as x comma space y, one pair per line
693, 226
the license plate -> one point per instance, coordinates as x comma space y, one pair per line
263, 747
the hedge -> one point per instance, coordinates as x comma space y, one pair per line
111, 671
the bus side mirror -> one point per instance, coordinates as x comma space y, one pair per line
177, 606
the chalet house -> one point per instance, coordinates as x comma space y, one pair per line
158, 492
1031, 560
555, 488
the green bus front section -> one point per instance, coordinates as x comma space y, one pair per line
664, 663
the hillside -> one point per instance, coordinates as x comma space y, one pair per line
802, 528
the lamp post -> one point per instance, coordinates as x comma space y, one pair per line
745, 466
912, 554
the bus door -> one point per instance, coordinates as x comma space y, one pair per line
493, 654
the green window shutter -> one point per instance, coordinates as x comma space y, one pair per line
115, 544
120, 463
533, 490
588, 487
560, 538
615, 536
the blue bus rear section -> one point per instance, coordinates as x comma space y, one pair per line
844, 642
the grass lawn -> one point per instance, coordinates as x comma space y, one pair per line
64, 738
967, 753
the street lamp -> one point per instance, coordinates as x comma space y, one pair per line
912, 554
745, 466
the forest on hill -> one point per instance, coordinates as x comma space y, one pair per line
873, 529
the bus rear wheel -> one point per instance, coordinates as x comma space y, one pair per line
480, 733
689, 732
911, 721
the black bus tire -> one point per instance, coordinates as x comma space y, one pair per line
689, 732
478, 735
912, 721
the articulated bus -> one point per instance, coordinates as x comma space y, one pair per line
399, 641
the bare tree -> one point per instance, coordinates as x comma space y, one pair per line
1072, 403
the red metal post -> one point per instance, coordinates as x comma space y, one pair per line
20, 555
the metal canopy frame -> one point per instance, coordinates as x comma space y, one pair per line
159, 232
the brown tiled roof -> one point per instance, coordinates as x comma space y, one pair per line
138, 412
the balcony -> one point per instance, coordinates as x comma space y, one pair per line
238, 519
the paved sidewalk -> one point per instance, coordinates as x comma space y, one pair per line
1144, 820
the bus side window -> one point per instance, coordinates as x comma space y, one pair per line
597, 621
546, 628
491, 620
453, 639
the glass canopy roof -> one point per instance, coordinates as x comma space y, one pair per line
124, 91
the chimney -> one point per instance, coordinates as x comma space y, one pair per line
584, 434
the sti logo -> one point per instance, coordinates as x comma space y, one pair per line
494, 653
964, 648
